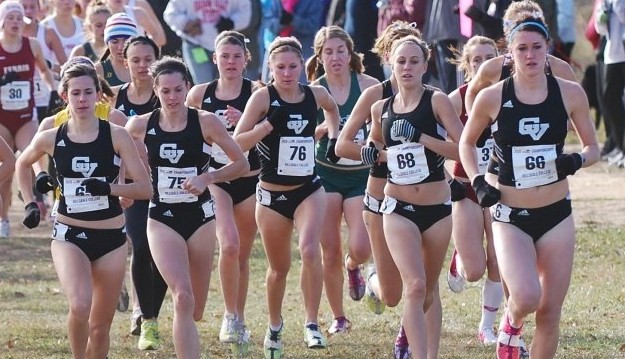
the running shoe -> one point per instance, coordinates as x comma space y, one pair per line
313, 337
124, 299
356, 282
372, 302
401, 350
454, 278
339, 325
229, 332
508, 342
5, 229
241, 348
149, 338
487, 336
273, 343
135, 322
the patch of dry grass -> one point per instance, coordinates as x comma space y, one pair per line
33, 311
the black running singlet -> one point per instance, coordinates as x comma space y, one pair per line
76, 162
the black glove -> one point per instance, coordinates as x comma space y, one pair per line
97, 187
331, 151
487, 195
569, 163
458, 190
369, 154
55, 104
403, 130
44, 182
32, 215
224, 24
8, 78
285, 17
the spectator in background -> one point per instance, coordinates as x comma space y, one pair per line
174, 43
566, 29
302, 23
198, 23
610, 22
442, 31
360, 17
254, 46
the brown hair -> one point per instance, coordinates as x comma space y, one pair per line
413, 40
77, 70
285, 44
463, 59
234, 38
519, 11
170, 65
324, 34
393, 32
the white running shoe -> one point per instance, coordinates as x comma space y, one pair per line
229, 332
313, 337
455, 280
372, 301
5, 229
487, 336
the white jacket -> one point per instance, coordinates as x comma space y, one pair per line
179, 12
614, 50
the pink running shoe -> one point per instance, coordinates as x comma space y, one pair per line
356, 282
508, 342
401, 350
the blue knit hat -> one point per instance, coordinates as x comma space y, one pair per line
119, 25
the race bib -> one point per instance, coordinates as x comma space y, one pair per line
359, 139
534, 165
501, 212
483, 155
262, 196
407, 163
78, 200
59, 231
372, 203
388, 205
41, 92
15, 95
296, 156
209, 208
170, 180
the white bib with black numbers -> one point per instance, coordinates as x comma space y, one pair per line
534, 165
296, 156
483, 155
170, 180
359, 139
78, 200
407, 163
501, 212
209, 208
59, 231
15, 95
262, 196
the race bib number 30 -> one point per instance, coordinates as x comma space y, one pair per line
534, 165
407, 163
78, 200
15, 95
296, 156
170, 182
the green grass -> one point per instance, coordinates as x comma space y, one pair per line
33, 311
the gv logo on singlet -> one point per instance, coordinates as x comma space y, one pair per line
532, 126
296, 123
82, 165
170, 151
